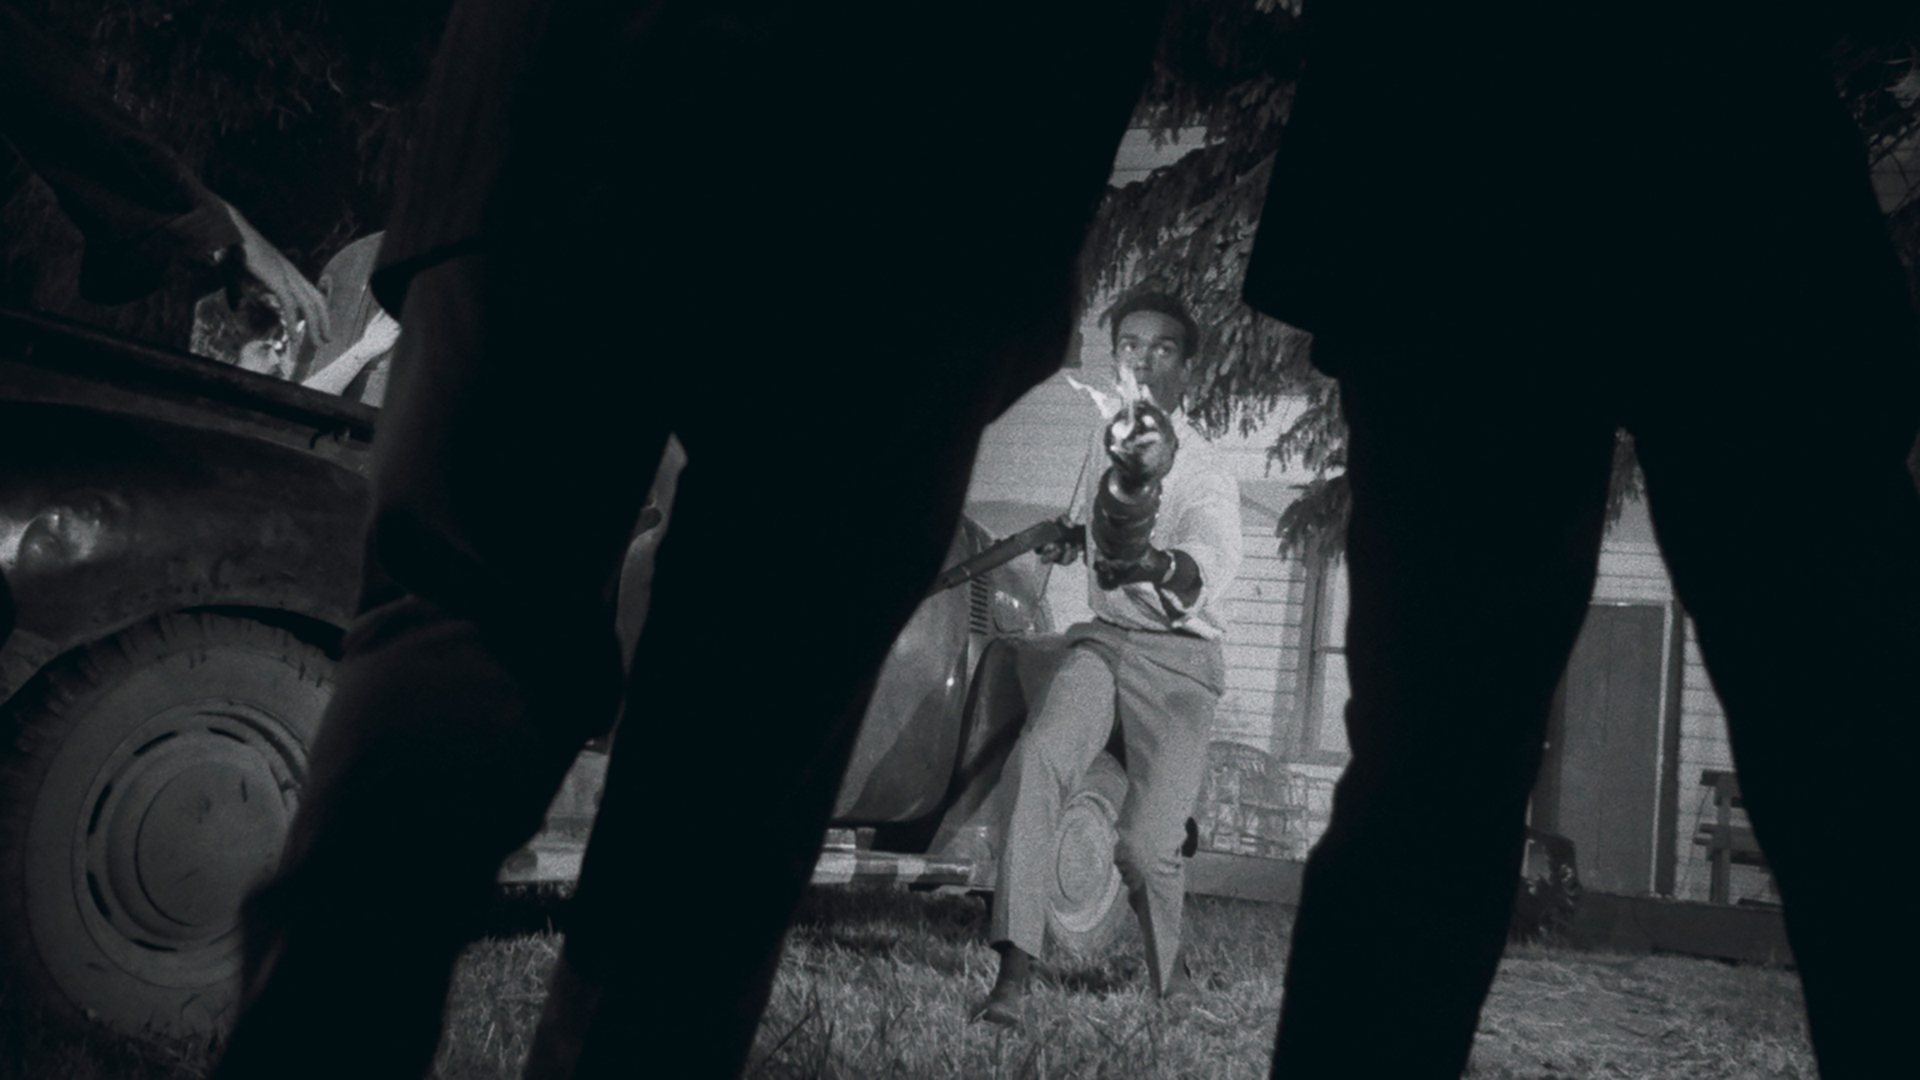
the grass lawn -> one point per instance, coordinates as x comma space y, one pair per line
878, 983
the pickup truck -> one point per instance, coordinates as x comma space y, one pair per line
180, 552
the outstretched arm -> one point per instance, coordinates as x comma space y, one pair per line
382, 331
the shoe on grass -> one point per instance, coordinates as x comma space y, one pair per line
1003, 1006
1004, 1002
1182, 989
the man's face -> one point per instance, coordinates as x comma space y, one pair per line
267, 356
1154, 346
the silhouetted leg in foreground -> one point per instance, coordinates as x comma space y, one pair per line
665, 248
736, 735
1774, 401
459, 706
1458, 636
1810, 638
1465, 605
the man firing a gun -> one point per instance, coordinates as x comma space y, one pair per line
1162, 544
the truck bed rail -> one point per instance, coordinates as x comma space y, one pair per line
64, 347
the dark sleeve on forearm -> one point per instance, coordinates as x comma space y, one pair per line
451, 185
136, 204
1180, 591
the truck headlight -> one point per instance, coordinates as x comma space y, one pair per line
1011, 614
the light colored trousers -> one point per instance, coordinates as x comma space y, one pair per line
1161, 687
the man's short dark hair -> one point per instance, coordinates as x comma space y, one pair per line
1163, 304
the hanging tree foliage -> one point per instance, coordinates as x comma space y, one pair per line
1226, 67
298, 112
295, 111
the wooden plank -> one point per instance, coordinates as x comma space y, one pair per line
1704, 743
1270, 652
1265, 667
1641, 589
1698, 752
1276, 634
1247, 707
1248, 694
1701, 701
1699, 726
1244, 877
1245, 721
1254, 680
1659, 587
1618, 563
886, 867
1645, 924
1737, 839
1257, 569
1252, 656
1258, 555
1264, 587
1242, 726
1264, 570
1259, 611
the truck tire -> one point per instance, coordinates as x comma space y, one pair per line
1086, 900
152, 780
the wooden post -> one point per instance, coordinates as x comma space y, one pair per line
1720, 886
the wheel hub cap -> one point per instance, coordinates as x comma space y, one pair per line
208, 834
184, 823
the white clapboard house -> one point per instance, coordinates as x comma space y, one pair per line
1637, 726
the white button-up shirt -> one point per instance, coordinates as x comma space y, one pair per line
1199, 514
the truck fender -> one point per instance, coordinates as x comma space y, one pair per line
108, 521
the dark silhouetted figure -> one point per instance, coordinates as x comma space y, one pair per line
822, 244
1514, 228
137, 206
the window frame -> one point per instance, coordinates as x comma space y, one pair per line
1309, 748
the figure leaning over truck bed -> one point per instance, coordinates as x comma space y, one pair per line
1162, 545
259, 336
138, 208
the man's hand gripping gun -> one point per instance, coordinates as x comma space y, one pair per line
1141, 445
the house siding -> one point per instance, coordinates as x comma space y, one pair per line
1704, 745
1262, 613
